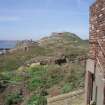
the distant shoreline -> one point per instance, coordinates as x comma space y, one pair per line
7, 44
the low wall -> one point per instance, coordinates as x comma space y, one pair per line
64, 99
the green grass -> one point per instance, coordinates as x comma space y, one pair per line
67, 87
48, 76
11, 77
75, 78
11, 62
43, 77
36, 77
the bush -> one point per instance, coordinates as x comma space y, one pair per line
74, 78
67, 88
13, 98
44, 77
10, 77
36, 79
37, 100
55, 75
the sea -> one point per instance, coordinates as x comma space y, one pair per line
7, 44
4, 44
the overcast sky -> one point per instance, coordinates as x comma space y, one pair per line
33, 19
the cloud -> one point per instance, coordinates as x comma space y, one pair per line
9, 18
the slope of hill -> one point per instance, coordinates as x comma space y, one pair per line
55, 45
61, 40
64, 42
32, 82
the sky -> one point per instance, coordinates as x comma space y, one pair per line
33, 19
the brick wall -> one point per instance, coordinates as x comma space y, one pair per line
97, 27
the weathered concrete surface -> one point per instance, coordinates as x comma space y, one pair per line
90, 65
73, 98
100, 86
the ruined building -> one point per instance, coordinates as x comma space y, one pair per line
95, 70
26, 44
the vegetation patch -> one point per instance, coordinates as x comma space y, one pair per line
13, 99
37, 100
45, 79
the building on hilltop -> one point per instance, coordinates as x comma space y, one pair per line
95, 69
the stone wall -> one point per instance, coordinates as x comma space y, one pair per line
66, 99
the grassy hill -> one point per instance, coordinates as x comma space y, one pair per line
66, 44
33, 83
64, 41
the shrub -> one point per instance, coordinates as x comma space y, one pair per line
36, 79
37, 100
44, 77
55, 75
67, 88
74, 78
13, 98
10, 77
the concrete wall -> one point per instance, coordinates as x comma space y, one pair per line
65, 99
99, 78
90, 65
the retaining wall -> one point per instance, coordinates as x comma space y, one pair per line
65, 99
